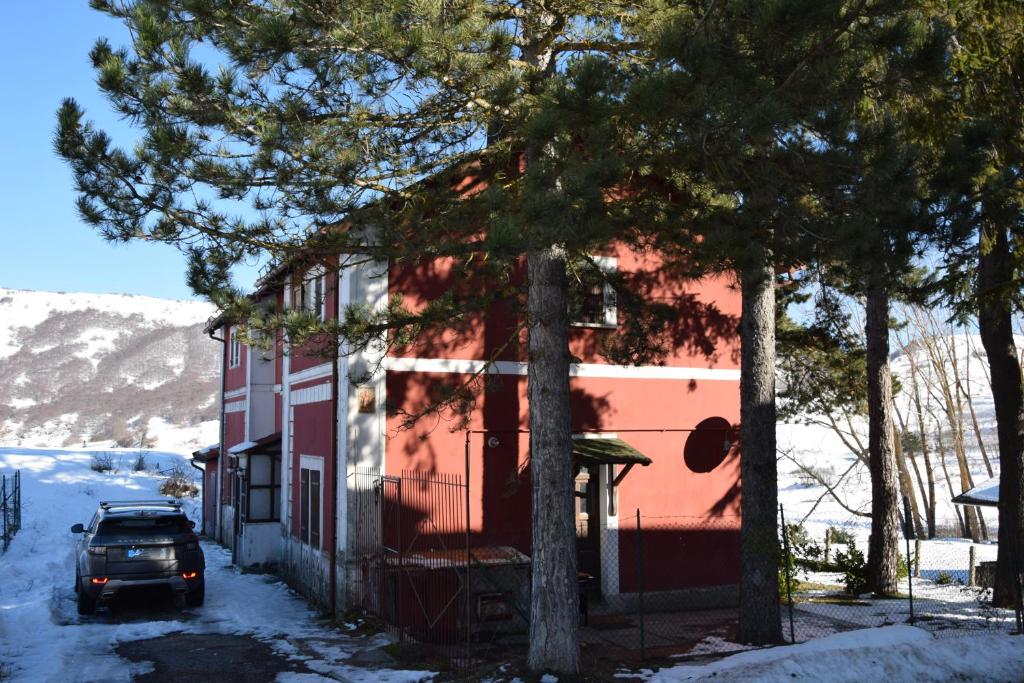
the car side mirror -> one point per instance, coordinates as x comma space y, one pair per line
78, 529
192, 524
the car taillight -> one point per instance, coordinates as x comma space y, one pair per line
99, 580
189, 575
97, 550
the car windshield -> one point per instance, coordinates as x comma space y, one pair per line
144, 526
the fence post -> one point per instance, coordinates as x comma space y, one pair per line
917, 558
640, 584
3, 504
17, 499
972, 567
789, 581
1018, 585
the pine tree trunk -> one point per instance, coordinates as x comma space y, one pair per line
883, 549
994, 322
554, 598
759, 538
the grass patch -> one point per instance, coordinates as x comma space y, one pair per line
831, 599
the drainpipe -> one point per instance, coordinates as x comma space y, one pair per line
220, 447
333, 578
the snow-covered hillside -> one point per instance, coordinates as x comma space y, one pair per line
105, 368
811, 443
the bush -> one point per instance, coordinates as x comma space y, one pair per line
102, 462
179, 483
140, 462
840, 536
854, 569
944, 578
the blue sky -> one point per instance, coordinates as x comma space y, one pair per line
44, 47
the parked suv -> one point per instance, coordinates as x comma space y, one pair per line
137, 543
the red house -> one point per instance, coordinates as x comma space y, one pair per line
320, 475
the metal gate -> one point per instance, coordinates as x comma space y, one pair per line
412, 543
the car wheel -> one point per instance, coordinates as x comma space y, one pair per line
86, 604
195, 598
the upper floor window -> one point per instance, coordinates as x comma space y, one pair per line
234, 349
311, 294
591, 296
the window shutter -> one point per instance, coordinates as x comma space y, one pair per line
304, 505
314, 504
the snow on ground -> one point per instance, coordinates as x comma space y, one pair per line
42, 638
892, 653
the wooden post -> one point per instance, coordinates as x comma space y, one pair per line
917, 559
971, 567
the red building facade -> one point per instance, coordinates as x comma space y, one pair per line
302, 425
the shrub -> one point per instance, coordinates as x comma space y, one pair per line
840, 536
944, 578
179, 483
102, 462
140, 462
854, 569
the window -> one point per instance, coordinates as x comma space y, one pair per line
591, 296
234, 349
311, 293
264, 499
310, 500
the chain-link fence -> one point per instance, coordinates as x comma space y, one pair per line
649, 587
10, 506
944, 584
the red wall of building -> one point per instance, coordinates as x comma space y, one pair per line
235, 377
312, 436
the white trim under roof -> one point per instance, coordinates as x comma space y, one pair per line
502, 367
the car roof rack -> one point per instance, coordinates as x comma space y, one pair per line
166, 502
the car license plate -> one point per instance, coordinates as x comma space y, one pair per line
135, 552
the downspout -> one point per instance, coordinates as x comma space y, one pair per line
333, 578
218, 495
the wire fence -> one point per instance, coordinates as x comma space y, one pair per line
945, 584
10, 506
649, 587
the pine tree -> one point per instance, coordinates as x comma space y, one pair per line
981, 194
748, 97
303, 129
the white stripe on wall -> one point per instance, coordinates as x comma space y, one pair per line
459, 366
321, 392
234, 393
236, 406
316, 372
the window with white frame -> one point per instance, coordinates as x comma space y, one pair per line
591, 295
311, 475
234, 349
311, 293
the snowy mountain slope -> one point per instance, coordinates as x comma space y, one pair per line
820, 448
80, 368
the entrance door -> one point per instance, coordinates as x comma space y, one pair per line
588, 531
